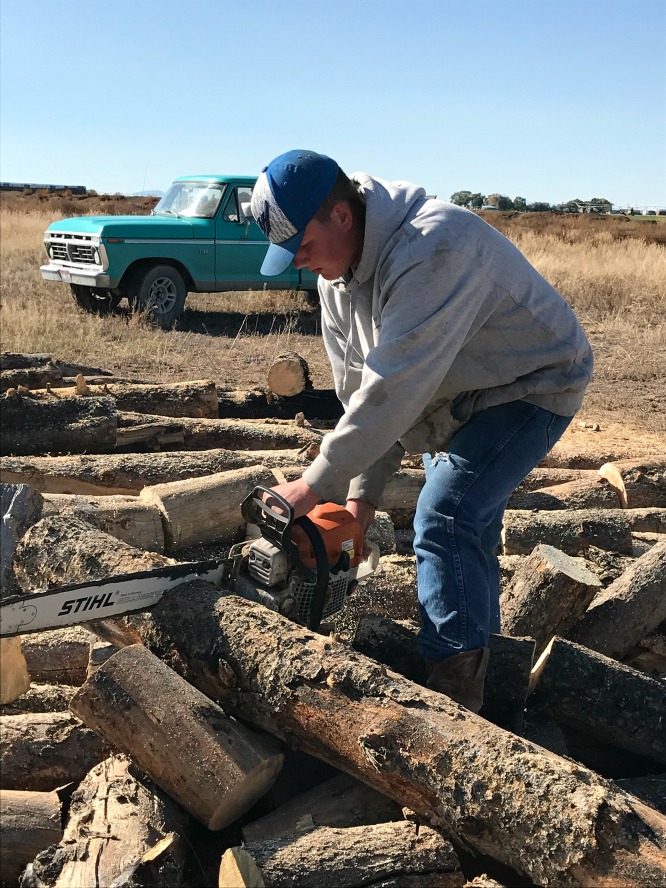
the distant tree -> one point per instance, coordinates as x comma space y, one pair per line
461, 198
519, 203
600, 200
477, 200
538, 207
501, 201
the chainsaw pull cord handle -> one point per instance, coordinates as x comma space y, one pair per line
321, 560
277, 526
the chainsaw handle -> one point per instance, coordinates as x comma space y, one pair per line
275, 525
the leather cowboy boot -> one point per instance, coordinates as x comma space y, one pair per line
460, 677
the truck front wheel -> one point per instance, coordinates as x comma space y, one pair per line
158, 291
94, 300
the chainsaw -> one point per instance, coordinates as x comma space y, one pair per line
304, 568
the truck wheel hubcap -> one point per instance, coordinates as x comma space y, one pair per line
162, 294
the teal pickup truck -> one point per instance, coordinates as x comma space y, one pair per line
200, 237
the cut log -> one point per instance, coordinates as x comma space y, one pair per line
314, 404
126, 474
41, 698
100, 652
638, 482
126, 518
44, 750
29, 823
197, 399
14, 677
650, 789
549, 593
21, 506
572, 531
238, 870
200, 511
393, 643
66, 425
391, 854
340, 802
230, 434
288, 375
588, 493
213, 766
541, 477
400, 496
58, 656
465, 775
604, 698
31, 378
10, 361
118, 824
628, 609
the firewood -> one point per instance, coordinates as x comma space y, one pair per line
29, 823
20, 507
650, 789
57, 656
231, 434
604, 698
414, 745
393, 643
341, 801
100, 652
10, 361
288, 375
126, 474
126, 518
205, 510
121, 831
638, 482
213, 766
31, 377
44, 750
238, 870
63, 425
41, 697
400, 496
633, 605
550, 591
542, 476
196, 399
14, 677
483, 881
572, 531
391, 854
314, 404
587, 493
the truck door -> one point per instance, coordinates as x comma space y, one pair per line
240, 247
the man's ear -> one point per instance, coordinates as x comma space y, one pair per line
341, 213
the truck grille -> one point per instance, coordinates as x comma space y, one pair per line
71, 248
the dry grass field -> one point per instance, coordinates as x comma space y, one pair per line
612, 271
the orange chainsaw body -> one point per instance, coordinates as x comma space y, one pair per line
340, 532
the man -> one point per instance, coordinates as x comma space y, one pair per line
443, 340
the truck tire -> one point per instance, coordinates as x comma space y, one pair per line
100, 302
159, 292
311, 297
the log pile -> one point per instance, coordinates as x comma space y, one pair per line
211, 741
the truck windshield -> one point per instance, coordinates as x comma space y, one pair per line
192, 199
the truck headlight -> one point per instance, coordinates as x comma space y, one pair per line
96, 257
49, 250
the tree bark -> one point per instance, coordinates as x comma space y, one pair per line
314, 404
400, 496
416, 746
121, 831
14, 677
196, 399
31, 378
41, 698
66, 425
200, 511
213, 766
604, 698
592, 493
44, 750
341, 801
627, 610
21, 507
126, 518
29, 823
57, 656
638, 482
230, 434
10, 361
550, 591
391, 854
126, 474
572, 531
541, 476
288, 375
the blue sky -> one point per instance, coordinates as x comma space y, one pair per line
547, 99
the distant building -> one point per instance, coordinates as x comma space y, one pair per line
22, 186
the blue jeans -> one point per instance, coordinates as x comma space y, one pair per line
458, 522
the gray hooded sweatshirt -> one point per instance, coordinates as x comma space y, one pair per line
442, 317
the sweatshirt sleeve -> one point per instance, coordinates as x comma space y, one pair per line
430, 303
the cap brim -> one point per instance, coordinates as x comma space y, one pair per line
279, 256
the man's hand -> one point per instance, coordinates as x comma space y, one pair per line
300, 497
364, 514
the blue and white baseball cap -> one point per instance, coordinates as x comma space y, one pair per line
286, 197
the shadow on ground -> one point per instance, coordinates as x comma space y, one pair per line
231, 324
